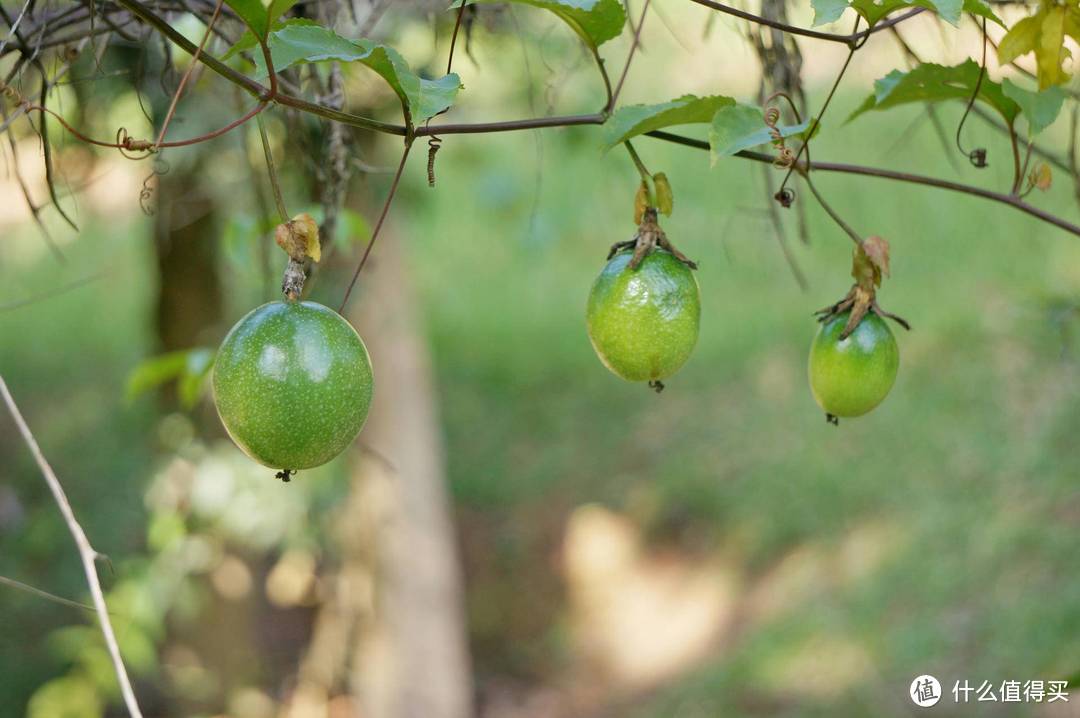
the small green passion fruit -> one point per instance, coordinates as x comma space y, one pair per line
292, 384
851, 376
643, 323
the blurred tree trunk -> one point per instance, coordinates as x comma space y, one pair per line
393, 629
185, 240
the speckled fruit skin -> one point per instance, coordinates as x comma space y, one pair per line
850, 377
643, 323
292, 384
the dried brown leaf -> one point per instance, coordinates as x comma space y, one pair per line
641, 202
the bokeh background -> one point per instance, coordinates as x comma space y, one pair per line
518, 533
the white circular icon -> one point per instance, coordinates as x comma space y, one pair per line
925, 691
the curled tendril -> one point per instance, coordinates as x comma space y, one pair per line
786, 157
786, 197
146, 194
978, 157
11, 93
434, 143
132, 148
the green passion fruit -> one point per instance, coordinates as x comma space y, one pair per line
292, 384
643, 323
851, 376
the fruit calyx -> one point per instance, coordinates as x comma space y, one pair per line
869, 263
648, 237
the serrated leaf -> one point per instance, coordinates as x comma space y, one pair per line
1044, 34
739, 127
826, 11
665, 199
276, 9
633, 120
1050, 51
933, 83
253, 13
595, 21
873, 11
982, 9
1040, 109
1019, 40
304, 41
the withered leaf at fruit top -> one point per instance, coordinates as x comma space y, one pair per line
299, 237
665, 200
869, 262
641, 202
877, 249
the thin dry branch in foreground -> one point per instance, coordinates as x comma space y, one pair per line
86, 551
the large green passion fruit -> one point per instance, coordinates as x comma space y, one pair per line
643, 323
292, 384
851, 376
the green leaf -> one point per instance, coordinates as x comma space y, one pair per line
739, 127
1044, 34
188, 367
933, 83
1020, 40
305, 41
1050, 51
981, 9
595, 21
826, 11
253, 13
1040, 109
248, 40
633, 120
277, 9
873, 11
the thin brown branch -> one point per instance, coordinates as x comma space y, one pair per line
851, 39
378, 224
476, 128
831, 212
629, 57
86, 552
187, 75
907, 177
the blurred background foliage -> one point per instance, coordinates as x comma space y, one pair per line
714, 550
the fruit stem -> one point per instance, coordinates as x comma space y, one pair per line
646, 176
